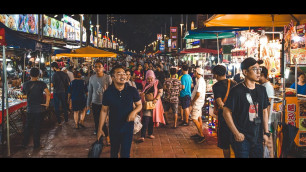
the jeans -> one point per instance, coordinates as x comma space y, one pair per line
60, 98
96, 110
245, 150
147, 122
33, 120
122, 142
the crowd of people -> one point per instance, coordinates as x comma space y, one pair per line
116, 91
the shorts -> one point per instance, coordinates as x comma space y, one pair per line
223, 132
196, 111
173, 106
185, 101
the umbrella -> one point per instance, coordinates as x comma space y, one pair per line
289, 133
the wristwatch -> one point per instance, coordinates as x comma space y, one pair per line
267, 134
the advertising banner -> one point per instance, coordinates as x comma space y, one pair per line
2, 37
20, 22
53, 28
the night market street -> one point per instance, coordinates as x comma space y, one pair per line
66, 142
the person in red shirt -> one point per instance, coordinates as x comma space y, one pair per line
138, 77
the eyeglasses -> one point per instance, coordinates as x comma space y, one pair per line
257, 69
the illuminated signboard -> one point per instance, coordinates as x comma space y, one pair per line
20, 22
53, 28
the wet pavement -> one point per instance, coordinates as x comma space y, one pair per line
63, 141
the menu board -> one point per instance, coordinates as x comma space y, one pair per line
53, 28
20, 22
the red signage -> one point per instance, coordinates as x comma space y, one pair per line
173, 32
2, 36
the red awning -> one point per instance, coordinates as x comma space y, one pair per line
199, 50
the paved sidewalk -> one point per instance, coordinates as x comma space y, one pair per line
66, 142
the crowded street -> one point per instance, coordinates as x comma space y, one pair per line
197, 86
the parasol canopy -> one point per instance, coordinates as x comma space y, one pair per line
88, 52
254, 20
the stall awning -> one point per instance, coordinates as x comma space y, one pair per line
210, 35
14, 39
254, 20
87, 52
199, 50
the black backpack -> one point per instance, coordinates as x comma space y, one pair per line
96, 148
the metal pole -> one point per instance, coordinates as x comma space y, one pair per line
6, 102
218, 47
23, 73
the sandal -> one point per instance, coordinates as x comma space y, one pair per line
81, 125
152, 137
140, 140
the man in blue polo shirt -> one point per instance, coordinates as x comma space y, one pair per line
118, 100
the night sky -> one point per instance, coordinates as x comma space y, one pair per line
142, 29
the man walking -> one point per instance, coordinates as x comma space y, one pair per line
220, 89
172, 87
34, 90
197, 102
97, 85
264, 81
185, 94
60, 82
118, 102
245, 113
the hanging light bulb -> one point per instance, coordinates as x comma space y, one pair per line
9, 67
37, 59
29, 55
263, 38
42, 60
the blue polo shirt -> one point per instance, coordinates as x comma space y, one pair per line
120, 105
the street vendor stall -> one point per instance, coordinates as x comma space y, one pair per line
294, 56
88, 52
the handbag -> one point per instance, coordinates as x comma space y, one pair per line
137, 124
96, 148
149, 105
224, 100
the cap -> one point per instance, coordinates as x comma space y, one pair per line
200, 71
64, 68
246, 63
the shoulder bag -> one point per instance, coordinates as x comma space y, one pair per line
225, 98
149, 105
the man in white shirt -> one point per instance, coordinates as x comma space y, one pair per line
70, 74
197, 102
264, 81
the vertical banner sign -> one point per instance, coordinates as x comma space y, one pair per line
2, 37
173, 37
292, 114
162, 46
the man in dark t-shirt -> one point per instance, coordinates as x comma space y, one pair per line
245, 113
118, 99
220, 90
34, 90
60, 82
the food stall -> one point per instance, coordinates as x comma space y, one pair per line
295, 109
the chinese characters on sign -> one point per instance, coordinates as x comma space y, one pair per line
291, 108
